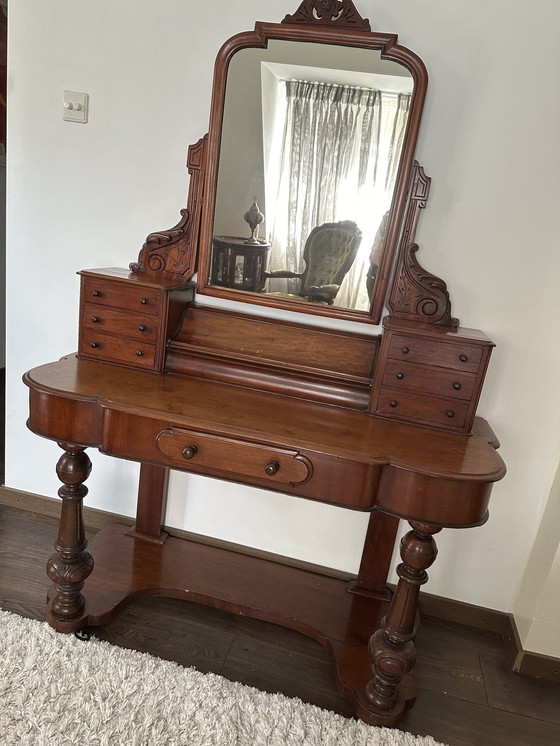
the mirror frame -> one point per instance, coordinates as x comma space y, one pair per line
334, 34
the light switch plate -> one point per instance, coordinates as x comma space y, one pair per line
75, 106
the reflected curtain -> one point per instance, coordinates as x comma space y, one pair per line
340, 145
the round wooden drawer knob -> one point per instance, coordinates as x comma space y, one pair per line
271, 468
95, 319
144, 301
142, 328
394, 403
405, 350
97, 293
94, 344
450, 413
463, 358
140, 353
399, 376
457, 386
189, 452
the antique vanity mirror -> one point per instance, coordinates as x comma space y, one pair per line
315, 122
383, 424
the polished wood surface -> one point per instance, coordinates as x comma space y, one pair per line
308, 602
274, 355
128, 319
124, 411
305, 448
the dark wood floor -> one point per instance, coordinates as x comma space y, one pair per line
468, 694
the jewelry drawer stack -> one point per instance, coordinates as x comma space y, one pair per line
430, 376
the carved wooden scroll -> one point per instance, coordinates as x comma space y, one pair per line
329, 13
171, 255
416, 294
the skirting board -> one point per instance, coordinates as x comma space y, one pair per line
524, 662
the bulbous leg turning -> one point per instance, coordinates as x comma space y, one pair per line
71, 563
391, 647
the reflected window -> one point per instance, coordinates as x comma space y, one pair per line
331, 153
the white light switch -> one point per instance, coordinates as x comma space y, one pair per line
76, 105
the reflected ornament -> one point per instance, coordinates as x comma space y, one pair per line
254, 217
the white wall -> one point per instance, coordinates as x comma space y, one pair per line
86, 196
537, 605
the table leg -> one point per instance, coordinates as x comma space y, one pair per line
376, 555
152, 498
71, 563
391, 647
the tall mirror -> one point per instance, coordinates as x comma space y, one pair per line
311, 144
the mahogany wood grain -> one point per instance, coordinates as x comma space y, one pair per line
347, 448
128, 319
132, 325
330, 453
132, 297
71, 562
376, 556
287, 343
430, 375
270, 354
428, 379
318, 606
109, 348
456, 355
392, 647
152, 501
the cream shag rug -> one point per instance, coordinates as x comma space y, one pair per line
58, 691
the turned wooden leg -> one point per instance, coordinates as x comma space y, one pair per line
71, 563
391, 647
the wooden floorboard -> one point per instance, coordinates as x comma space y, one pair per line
520, 694
468, 694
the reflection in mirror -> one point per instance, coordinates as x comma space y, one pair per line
313, 133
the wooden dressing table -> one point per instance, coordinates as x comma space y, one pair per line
384, 424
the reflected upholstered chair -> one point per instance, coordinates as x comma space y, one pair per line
328, 254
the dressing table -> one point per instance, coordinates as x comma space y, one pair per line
383, 423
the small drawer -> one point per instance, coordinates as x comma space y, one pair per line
432, 352
115, 349
98, 318
119, 295
426, 409
438, 381
199, 450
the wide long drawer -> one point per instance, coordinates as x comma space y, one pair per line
238, 457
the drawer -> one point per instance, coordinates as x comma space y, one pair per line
120, 295
427, 409
446, 354
115, 349
438, 381
98, 318
188, 447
